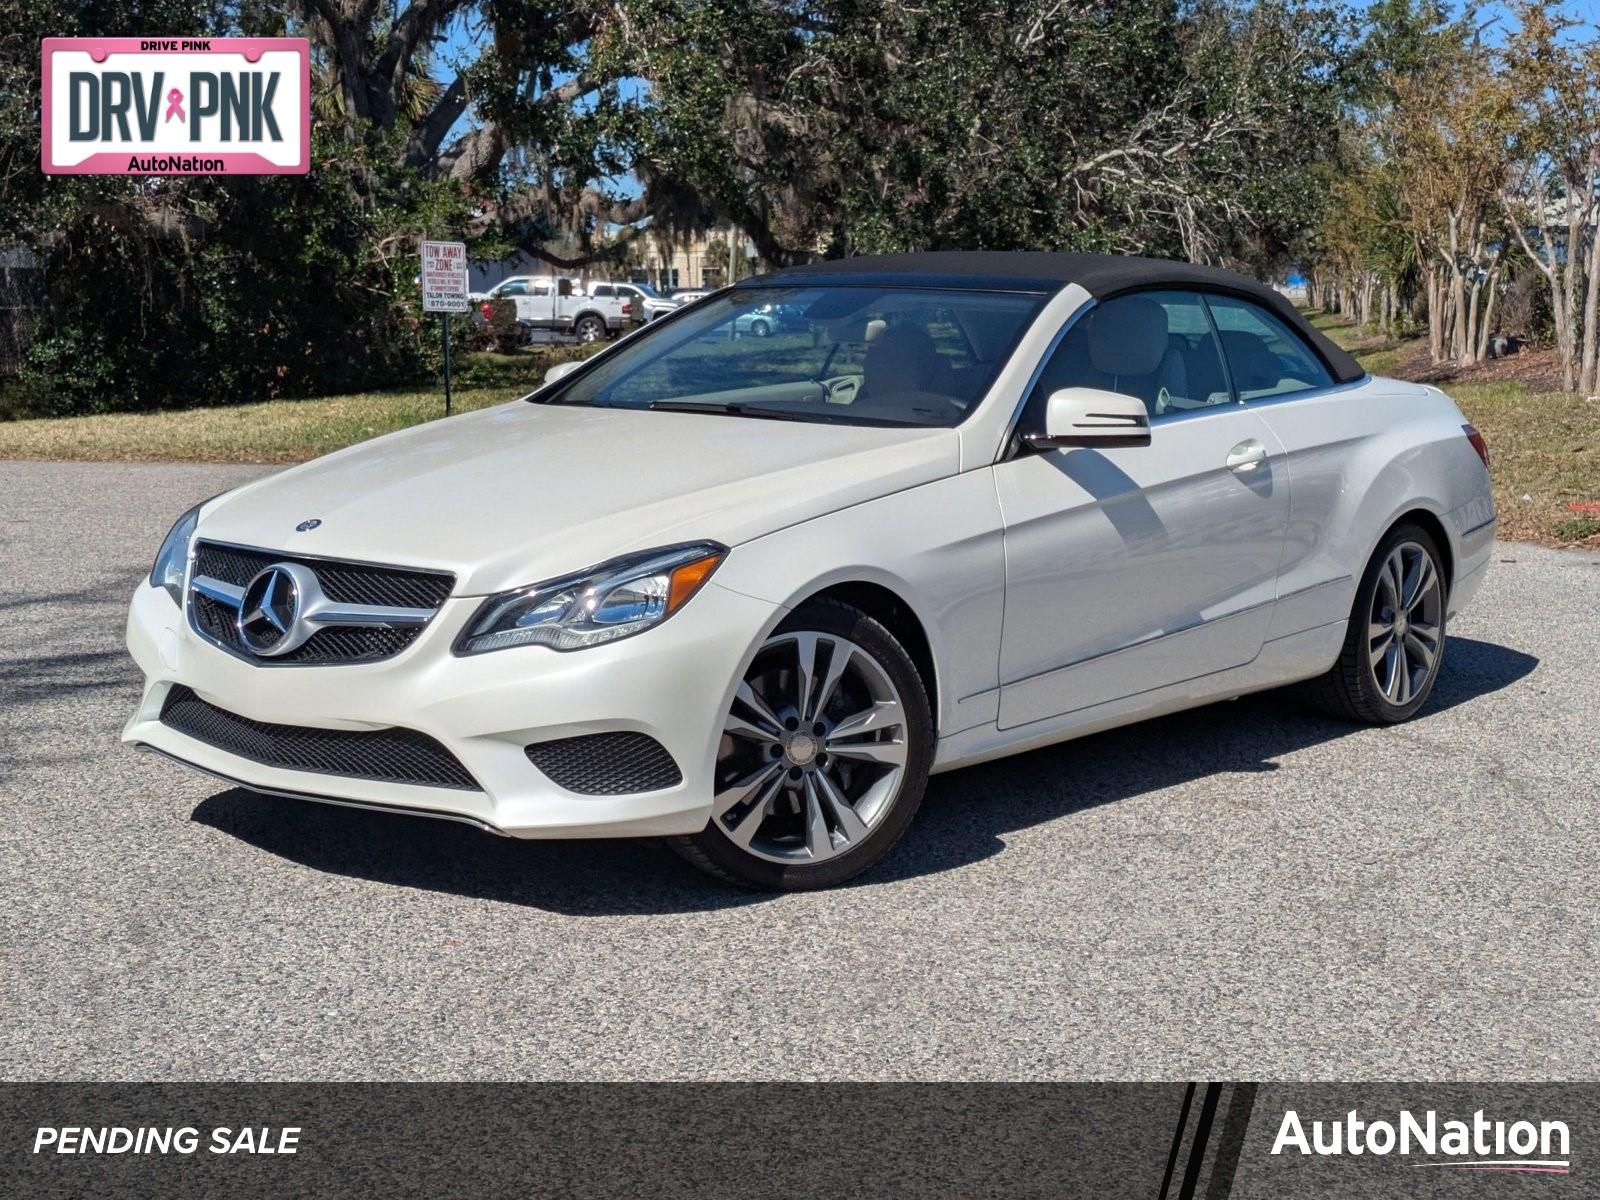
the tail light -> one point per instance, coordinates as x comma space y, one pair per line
487, 309
1478, 444
627, 308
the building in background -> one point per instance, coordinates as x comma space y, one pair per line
483, 275
698, 259
1295, 290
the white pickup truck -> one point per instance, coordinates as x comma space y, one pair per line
560, 305
648, 304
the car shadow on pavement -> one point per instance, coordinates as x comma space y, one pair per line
964, 819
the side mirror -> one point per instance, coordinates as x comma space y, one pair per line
561, 371
1080, 416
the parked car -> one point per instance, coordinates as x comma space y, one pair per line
559, 304
769, 319
690, 295
747, 595
648, 304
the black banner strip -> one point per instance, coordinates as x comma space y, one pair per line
1177, 1140
1202, 1134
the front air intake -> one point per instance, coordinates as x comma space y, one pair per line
386, 755
606, 764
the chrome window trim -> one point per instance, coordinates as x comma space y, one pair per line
1181, 415
1308, 393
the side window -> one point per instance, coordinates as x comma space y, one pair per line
603, 291
515, 287
1265, 356
1157, 346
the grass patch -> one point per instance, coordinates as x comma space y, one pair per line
1580, 529
1378, 352
1544, 454
278, 431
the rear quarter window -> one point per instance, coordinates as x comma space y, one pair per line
1265, 357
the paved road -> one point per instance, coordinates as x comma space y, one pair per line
1244, 891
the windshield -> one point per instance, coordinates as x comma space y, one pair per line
850, 355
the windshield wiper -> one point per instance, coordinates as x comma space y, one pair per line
782, 414
732, 410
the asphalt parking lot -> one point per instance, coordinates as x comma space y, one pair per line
1246, 891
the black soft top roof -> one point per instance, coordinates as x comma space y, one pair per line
1101, 275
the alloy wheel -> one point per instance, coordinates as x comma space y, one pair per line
813, 752
1404, 633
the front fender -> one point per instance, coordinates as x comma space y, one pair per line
938, 547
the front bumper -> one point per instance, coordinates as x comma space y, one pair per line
673, 683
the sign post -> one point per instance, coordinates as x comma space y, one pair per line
444, 291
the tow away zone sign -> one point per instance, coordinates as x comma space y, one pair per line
444, 277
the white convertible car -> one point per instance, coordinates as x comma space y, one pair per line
748, 593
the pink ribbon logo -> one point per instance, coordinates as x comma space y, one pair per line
175, 106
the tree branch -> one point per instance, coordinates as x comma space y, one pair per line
425, 139
478, 152
422, 19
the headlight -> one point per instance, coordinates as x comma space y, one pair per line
615, 600
172, 560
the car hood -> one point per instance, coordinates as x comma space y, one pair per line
523, 492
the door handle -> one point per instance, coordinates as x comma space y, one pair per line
1247, 456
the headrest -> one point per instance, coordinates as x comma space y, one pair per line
904, 353
1249, 357
1128, 336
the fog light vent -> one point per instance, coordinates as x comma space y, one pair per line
606, 764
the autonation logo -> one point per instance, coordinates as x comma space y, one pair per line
1476, 1145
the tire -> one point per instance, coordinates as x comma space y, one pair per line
1384, 673
760, 328
801, 808
589, 329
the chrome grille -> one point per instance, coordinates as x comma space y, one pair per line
415, 595
385, 755
349, 582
